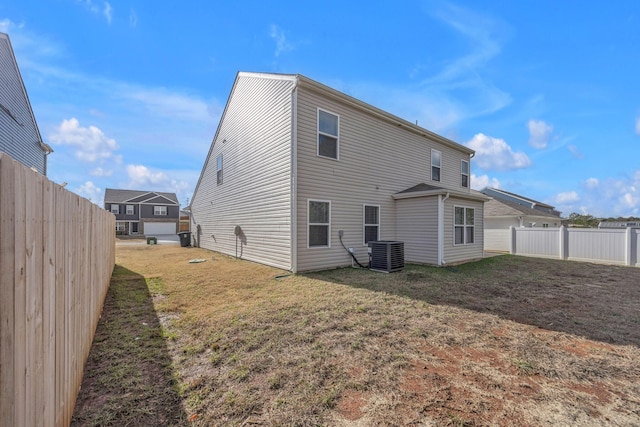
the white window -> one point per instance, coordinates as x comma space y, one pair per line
129, 209
121, 226
115, 209
219, 169
159, 210
328, 134
464, 230
436, 159
464, 167
319, 220
371, 223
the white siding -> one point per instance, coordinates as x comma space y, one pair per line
377, 159
254, 138
459, 253
19, 136
417, 227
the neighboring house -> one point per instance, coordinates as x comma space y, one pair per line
147, 213
19, 134
505, 210
619, 224
296, 169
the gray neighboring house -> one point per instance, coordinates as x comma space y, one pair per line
19, 134
148, 213
505, 210
299, 172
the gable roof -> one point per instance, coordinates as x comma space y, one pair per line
495, 207
112, 195
300, 80
506, 195
12, 106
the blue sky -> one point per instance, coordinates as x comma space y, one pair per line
129, 94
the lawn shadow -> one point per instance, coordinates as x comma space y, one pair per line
128, 377
599, 302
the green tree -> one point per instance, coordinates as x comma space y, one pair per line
583, 220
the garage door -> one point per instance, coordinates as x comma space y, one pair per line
156, 228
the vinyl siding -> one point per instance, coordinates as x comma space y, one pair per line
459, 253
256, 189
19, 138
417, 227
377, 159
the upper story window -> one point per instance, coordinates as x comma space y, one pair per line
464, 168
159, 210
436, 160
319, 223
115, 209
219, 169
328, 134
464, 225
130, 210
371, 223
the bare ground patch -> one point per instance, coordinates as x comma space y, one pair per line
505, 341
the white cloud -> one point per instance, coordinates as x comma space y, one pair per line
575, 151
539, 133
483, 181
143, 178
101, 172
638, 125
90, 142
282, 44
107, 12
90, 191
567, 197
496, 154
133, 19
592, 183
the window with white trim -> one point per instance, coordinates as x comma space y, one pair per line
219, 169
371, 223
159, 210
436, 160
328, 134
121, 226
464, 168
129, 209
319, 223
115, 209
463, 225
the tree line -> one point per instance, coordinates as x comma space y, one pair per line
589, 221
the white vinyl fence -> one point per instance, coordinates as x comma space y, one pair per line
607, 246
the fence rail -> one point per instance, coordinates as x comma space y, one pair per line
57, 252
607, 246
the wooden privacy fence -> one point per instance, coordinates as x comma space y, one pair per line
607, 246
57, 252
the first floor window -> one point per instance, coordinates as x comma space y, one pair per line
464, 229
464, 166
219, 169
120, 226
129, 209
371, 223
436, 160
319, 221
115, 209
159, 210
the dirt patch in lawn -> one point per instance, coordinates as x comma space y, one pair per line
505, 341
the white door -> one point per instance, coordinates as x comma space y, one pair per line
156, 228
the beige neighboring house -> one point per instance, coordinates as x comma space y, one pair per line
505, 210
299, 173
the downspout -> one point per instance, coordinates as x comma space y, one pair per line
294, 177
441, 201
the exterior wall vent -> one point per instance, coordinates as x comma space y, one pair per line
386, 256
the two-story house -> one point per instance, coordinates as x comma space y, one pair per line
299, 173
19, 134
149, 213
